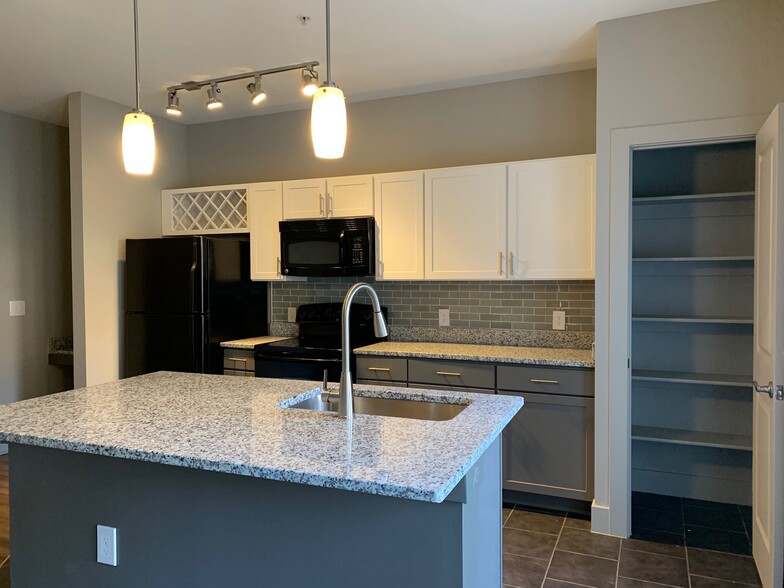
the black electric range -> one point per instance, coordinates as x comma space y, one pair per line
317, 348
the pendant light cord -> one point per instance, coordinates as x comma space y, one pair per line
329, 57
136, 46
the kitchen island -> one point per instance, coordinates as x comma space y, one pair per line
217, 481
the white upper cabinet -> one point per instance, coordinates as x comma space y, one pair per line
399, 203
265, 210
551, 219
328, 198
304, 199
465, 223
349, 196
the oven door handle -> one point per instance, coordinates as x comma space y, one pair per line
293, 358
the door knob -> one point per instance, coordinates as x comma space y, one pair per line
771, 390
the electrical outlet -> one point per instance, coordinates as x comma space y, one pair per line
107, 545
16, 308
292, 314
559, 320
443, 317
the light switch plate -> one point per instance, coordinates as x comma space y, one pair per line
292, 314
16, 308
443, 317
107, 545
559, 320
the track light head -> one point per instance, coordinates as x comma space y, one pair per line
257, 94
173, 108
309, 82
213, 102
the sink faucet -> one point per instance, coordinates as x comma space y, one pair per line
346, 394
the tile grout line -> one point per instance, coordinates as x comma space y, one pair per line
739, 584
552, 555
657, 554
649, 581
589, 555
618, 563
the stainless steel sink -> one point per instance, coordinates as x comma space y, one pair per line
407, 409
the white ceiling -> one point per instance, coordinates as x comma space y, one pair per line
51, 48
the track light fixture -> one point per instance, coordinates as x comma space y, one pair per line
309, 82
173, 108
213, 102
257, 95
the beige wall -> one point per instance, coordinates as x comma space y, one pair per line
546, 116
708, 61
108, 206
34, 254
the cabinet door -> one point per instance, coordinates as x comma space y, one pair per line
465, 223
551, 218
349, 196
265, 210
548, 446
400, 226
304, 199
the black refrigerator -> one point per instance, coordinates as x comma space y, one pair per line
183, 296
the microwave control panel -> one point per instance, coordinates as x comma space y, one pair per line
358, 251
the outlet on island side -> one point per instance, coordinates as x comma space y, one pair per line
559, 320
292, 315
107, 545
443, 317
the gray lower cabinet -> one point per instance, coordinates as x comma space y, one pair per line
548, 446
239, 362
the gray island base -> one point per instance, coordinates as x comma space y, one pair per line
236, 490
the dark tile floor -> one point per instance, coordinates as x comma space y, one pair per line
693, 523
549, 549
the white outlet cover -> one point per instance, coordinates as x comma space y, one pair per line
559, 320
106, 545
16, 308
443, 317
292, 316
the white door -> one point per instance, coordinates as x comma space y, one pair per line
399, 202
304, 199
465, 223
350, 196
551, 218
768, 453
265, 210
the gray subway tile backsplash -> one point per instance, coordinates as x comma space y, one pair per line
518, 305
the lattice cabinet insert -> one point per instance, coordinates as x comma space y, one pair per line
208, 210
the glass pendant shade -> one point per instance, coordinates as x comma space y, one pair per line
138, 143
328, 122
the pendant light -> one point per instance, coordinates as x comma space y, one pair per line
138, 135
328, 114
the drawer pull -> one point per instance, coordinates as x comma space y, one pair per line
242, 359
374, 369
456, 374
538, 381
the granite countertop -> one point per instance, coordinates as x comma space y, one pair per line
489, 353
252, 342
239, 426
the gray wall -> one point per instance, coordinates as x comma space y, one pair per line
546, 116
35, 263
488, 305
109, 206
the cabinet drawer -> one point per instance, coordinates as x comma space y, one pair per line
461, 374
382, 369
452, 388
571, 381
239, 359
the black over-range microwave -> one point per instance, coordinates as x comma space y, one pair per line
328, 247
